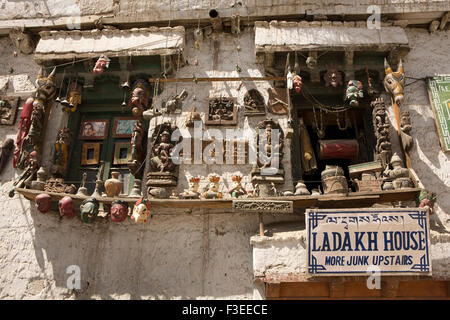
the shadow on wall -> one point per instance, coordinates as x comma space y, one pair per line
183, 256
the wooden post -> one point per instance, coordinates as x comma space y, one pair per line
261, 224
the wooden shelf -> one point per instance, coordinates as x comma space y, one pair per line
352, 200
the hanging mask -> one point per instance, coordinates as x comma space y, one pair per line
43, 202
119, 210
89, 210
141, 210
297, 83
66, 208
102, 62
353, 93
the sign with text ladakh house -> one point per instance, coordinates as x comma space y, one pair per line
439, 93
392, 241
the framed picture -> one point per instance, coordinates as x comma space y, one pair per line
122, 152
8, 110
90, 153
94, 129
123, 127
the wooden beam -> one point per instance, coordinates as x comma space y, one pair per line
215, 79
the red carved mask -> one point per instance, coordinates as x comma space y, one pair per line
66, 207
43, 202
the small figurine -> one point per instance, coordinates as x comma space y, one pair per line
192, 192
300, 189
213, 189
66, 208
237, 190
102, 62
353, 93
43, 202
399, 175
61, 152
119, 210
140, 97
89, 210
174, 105
141, 210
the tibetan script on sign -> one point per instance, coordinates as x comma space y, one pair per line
439, 93
263, 206
393, 241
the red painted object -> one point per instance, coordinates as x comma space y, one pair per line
23, 128
338, 149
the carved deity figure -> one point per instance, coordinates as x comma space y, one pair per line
394, 81
221, 110
192, 192
212, 191
161, 159
270, 143
137, 150
333, 77
75, 91
381, 127
61, 152
237, 190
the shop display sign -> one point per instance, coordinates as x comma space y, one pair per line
391, 241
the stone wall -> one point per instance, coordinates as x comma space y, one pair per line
196, 254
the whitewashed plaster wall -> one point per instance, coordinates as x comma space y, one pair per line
177, 256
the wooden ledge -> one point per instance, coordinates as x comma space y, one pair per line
352, 200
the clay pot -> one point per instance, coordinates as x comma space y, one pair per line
113, 185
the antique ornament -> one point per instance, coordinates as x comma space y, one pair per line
237, 190
212, 191
192, 192
394, 82
221, 111
254, 103
269, 206
277, 102
333, 77
311, 62
89, 209
334, 180
353, 93
309, 163
396, 175
8, 110
102, 63
75, 91
140, 97
29, 172
300, 189
22, 41
57, 185
22, 132
297, 83
43, 202
61, 153
381, 126
119, 210
137, 150
192, 116
66, 208
405, 128
141, 211
39, 183
82, 190
113, 185
6, 150
174, 105
163, 171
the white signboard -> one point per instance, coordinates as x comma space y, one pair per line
393, 241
